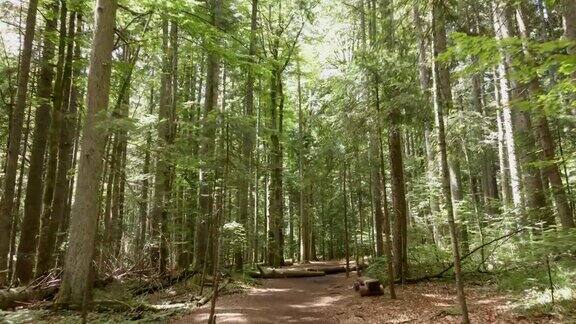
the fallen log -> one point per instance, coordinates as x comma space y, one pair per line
208, 297
286, 273
334, 269
161, 283
13, 298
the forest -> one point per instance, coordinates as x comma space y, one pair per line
254, 161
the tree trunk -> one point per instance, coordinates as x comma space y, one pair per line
33, 200
376, 188
398, 199
275, 252
248, 136
552, 171
457, 197
143, 204
76, 281
166, 126
502, 32
568, 9
442, 102
49, 231
544, 137
305, 238
206, 155
60, 98
15, 222
15, 137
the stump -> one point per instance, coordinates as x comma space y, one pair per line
368, 287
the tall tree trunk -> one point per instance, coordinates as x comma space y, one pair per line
431, 163
143, 204
15, 224
33, 200
442, 102
502, 32
166, 125
457, 197
552, 171
76, 281
568, 9
50, 229
15, 137
305, 248
206, 154
275, 252
398, 198
376, 187
544, 137
248, 136
60, 98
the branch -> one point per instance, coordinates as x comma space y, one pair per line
441, 273
291, 50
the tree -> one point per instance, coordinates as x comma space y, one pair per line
49, 229
78, 273
34, 187
443, 102
202, 243
13, 150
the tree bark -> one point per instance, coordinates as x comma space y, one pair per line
15, 137
248, 135
544, 137
443, 102
502, 32
398, 199
70, 90
143, 204
76, 281
552, 171
34, 188
60, 99
206, 154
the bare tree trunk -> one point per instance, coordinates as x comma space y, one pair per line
143, 205
206, 154
398, 200
568, 8
166, 127
60, 98
275, 252
305, 238
501, 27
76, 282
16, 220
33, 200
443, 101
346, 229
457, 197
552, 171
70, 90
248, 136
15, 137
544, 137
377, 194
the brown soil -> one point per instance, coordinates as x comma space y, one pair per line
331, 299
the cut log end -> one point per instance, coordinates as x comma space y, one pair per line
368, 287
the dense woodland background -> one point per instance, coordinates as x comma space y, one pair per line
163, 136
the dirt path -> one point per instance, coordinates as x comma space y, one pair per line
331, 299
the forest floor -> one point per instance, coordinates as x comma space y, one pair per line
324, 299
331, 299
